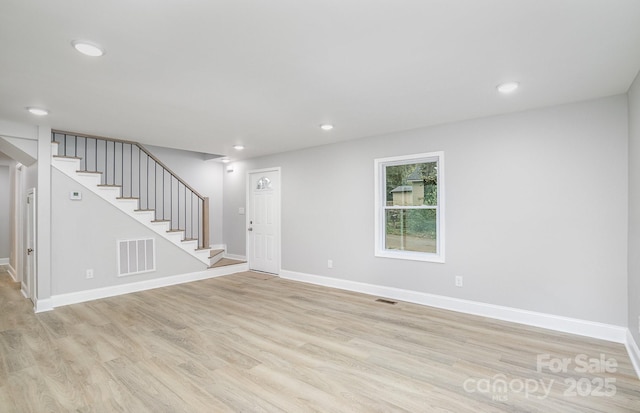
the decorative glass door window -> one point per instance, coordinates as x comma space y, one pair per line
263, 183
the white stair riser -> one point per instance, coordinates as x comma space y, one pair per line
216, 258
110, 193
203, 255
145, 216
163, 230
127, 205
66, 165
160, 227
88, 179
189, 245
175, 237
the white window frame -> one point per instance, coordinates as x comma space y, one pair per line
380, 165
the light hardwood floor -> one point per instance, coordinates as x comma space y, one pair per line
254, 343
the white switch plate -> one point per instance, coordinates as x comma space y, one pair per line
330, 264
75, 195
241, 211
458, 281
89, 274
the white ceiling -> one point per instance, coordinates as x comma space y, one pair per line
204, 75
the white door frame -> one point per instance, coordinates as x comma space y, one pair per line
31, 268
249, 212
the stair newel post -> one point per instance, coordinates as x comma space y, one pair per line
205, 222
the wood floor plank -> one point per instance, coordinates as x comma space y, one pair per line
30, 392
257, 343
15, 354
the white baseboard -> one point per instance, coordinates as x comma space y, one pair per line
235, 257
593, 329
98, 293
12, 273
4, 261
634, 352
42, 306
24, 292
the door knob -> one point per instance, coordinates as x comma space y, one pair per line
29, 251
250, 229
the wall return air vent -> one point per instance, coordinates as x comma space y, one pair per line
136, 256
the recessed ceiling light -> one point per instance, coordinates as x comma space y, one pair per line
238, 147
507, 87
87, 48
326, 126
226, 160
38, 111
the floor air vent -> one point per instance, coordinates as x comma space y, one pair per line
382, 300
136, 256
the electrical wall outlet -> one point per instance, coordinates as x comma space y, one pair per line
89, 274
458, 281
330, 264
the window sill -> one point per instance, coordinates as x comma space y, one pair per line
410, 255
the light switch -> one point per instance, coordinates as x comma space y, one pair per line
241, 211
75, 195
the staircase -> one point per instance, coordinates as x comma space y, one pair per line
130, 178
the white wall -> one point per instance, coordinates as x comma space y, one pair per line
5, 212
31, 176
634, 209
84, 236
536, 210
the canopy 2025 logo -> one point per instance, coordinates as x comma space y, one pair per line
584, 386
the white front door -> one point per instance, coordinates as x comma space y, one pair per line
30, 278
263, 220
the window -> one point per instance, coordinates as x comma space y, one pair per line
410, 207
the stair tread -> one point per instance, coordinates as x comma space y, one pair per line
109, 186
160, 220
215, 252
89, 172
66, 157
126, 197
175, 230
189, 239
143, 210
226, 261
